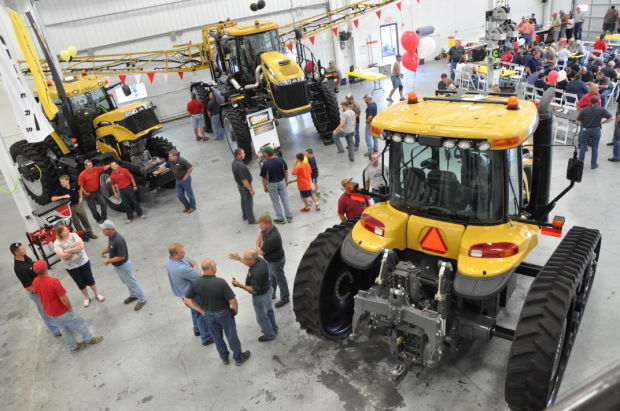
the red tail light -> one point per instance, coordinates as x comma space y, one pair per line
493, 250
372, 224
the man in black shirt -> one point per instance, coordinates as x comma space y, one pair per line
243, 178
213, 111
269, 245
181, 170
454, 56
274, 173
590, 119
78, 214
119, 258
219, 306
25, 274
257, 284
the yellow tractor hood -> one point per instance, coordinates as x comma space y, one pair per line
278, 67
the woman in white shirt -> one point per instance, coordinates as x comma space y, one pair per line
69, 247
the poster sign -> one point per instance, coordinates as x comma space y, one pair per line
263, 130
138, 92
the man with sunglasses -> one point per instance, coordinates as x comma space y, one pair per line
25, 274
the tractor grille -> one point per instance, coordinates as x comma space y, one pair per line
142, 120
292, 96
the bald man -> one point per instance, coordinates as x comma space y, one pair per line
219, 305
257, 283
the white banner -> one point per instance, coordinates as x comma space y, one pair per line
28, 113
263, 130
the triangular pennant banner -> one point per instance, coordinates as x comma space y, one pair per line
136, 77
335, 30
289, 46
356, 22
400, 6
311, 38
180, 73
151, 76
122, 78
165, 77
379, 14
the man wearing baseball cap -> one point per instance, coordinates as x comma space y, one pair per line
57, 305
356, 109
350, 207
118, 256
23, 271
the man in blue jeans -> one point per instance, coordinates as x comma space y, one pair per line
119, 258
371, 111
591, 118
182, 171
25, 274
213, 111
219, 306
347, 128
269, 245
257, 283
274, 174
56, 305
616, 140
181, 272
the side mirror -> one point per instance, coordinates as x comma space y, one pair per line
574, 171
126, 90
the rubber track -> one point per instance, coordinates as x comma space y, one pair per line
242, 132
309, 278
48, 173
528, 379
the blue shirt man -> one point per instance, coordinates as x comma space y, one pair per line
181, 272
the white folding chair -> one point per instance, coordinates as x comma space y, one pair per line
611, 96
565, 125
529, 92
570, 101
558, 99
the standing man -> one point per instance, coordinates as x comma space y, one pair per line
356, 109
243, 178
609, 21
374, 177
181, 272
123, 182
257, 284
26, 275
347, 125
88, 180
274, 173
218, 305
526, 32
455, 54
78, 214
182, 171
372, 144
616, 139
591, 119
396, 77
118, 256
334, 75
556, 26
56, 304
195, 108
269, 245
213, 110
348, 206
303, 172
579, 19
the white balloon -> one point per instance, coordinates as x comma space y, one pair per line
426, 47
561, 75
521, 41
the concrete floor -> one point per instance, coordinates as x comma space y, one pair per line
151, 360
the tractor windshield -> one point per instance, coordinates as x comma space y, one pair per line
96, 100
250, 48
463, 184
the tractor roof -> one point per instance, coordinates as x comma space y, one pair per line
247, 29
472, 117
79, 85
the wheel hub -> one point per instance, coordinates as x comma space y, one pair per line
343, 286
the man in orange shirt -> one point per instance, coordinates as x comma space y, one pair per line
122, 181
303, 171
196, 109
88, 180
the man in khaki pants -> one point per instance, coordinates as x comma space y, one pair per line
78, 214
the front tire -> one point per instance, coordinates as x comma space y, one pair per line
325, 112
41, 182
237, 132
549, 321
106, 190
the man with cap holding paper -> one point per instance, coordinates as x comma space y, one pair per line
56, 304
25, 274
118, 256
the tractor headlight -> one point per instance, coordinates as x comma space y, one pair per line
464, 144
449, 143
484, 146
397, 138
409, 139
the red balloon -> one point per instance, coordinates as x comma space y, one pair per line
552, 77
411, 61
410, 41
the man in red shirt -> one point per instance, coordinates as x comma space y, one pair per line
585, 100
56, 305
122, 181
350, 207
88, 181
303, 171
600, 44
196, 109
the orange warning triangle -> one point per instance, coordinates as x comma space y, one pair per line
433, 241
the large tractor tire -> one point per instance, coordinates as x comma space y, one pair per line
159, 146
325, 112
202, 93
325, 286
40, 179
106, 190
549, 321
237, 132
